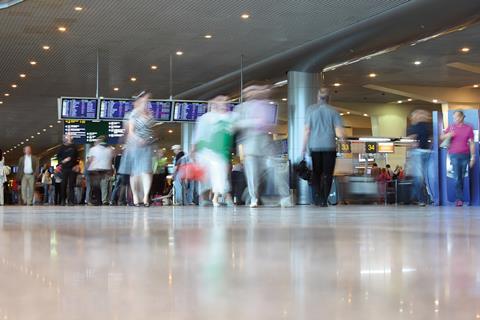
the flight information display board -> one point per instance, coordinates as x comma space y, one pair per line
116, 109
78, 108
189, 111
84, 132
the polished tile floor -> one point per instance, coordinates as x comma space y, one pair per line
349, 262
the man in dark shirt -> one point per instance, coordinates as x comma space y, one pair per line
68, 159
420, 130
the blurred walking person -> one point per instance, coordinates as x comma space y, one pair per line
46, 183
213, 141
137, 158
68, 160
28, 166
322, 125
461, 150
420, 130
183, 189
99, 167
254, 123
4, 170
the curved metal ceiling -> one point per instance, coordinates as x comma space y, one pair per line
4, 4
404, 24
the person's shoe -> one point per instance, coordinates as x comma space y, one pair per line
324, 205
147, 204
254, 204
216, 204
205, 203
286, 202
459, 203
230, 203
422, 204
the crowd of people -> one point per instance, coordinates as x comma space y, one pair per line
136, 174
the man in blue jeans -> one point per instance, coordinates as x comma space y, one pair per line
461, 150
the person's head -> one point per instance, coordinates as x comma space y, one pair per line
160, 153
458, 116
219, 104
100, 140
323, 95
141, 101
176, 149
27, 150
257, 92
67, 139
375, 165
387, 166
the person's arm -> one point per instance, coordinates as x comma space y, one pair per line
471, 141
339, 131
447, 134
306, 137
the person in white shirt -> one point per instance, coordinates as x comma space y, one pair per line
27, 173
99, 166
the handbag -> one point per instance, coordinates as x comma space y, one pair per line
303, 171
191, 171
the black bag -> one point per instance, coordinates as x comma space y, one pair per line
303, 171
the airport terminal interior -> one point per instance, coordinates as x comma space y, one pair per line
223, 159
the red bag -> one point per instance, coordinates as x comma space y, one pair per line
191, 171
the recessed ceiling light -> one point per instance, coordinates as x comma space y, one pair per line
245, 16
409, 100
32, 137
1, 102
133, 79
372, 75
475, 85
284, 99
365, 115
208, 36
115, 89
465, 49
22, 142
342, 114
348, 112
59, 121
170, 131
78, 8
435, 101
51, 126
27, 140
14, 85
6, 94
154, 67
46, 47
38, 133
33, 63
62, 29
179, 53
399, 101
44, 130
417, 63
23, 75
336, 84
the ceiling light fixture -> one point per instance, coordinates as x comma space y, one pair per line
133, 79
154, 67
476, 85
170, 131
465, 49
410, 100
245, 16
435, 101
78, 8
62, 29
281, 83
46, 47
38, 133
179, 53
284, 99
14, 85
23, 75
33, 63
32, 137
399, 101
116, 89
1, 102
208, 36
417, 63
342, 114
6, 94
372, 75
365, 115
348, 112
336, 84
51, 126
44, 130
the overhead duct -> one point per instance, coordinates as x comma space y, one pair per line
406, 24
4, 4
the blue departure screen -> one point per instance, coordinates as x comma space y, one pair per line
115, 109
79, 109
189, 111
161, 110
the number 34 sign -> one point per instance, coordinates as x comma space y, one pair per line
370, 147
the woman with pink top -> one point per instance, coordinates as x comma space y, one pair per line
461, 151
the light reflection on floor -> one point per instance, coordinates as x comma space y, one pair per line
350, 262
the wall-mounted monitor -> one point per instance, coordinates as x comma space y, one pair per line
78, 108
117, 109
189, 110
83, 132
